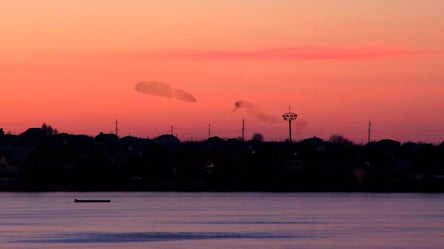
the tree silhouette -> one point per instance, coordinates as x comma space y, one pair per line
258, 137
338, 139
48, 130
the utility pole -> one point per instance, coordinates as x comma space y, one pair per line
172, 131
209, 130
369, 130
117, 128
243, 130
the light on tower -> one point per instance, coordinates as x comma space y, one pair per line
289, 116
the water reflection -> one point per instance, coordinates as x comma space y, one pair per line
148, 236
222, 220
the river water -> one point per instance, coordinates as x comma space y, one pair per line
222, 220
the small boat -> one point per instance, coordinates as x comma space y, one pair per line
91, 200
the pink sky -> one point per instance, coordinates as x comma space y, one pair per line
338, 64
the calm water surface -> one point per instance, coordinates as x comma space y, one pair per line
222, 220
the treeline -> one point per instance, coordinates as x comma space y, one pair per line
41, 159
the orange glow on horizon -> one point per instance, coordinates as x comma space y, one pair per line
74, 65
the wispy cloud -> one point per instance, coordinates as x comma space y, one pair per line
292, 53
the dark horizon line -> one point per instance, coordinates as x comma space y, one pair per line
287, 140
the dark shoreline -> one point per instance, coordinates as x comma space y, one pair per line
39, 162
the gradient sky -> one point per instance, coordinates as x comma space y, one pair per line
337, 63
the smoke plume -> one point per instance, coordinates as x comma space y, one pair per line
253, 110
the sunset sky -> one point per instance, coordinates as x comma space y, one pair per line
337, 63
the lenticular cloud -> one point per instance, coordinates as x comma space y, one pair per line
290, 53
162, 89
